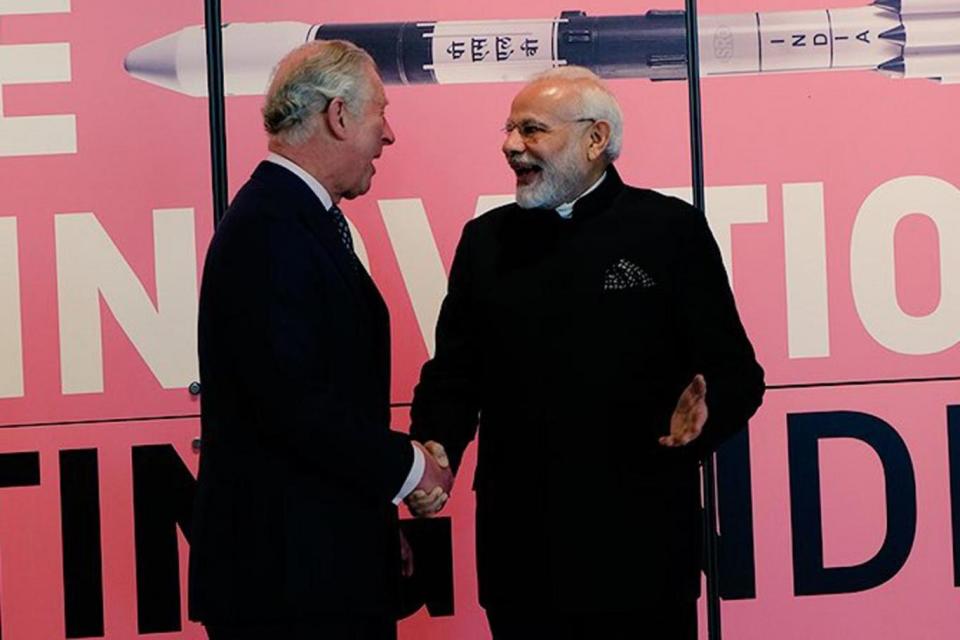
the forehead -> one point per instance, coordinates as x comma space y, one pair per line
545, 101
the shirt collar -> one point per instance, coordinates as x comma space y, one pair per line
318, 189
566, 209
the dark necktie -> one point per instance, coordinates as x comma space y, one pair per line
343, 229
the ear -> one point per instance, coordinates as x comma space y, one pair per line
599, 139
336, 118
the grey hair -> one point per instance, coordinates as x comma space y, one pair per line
307, 80
597, 102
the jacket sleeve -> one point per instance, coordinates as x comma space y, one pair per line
716, 341
446, 403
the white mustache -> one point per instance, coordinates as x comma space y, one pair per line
519, 163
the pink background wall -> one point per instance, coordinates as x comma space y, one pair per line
871, 145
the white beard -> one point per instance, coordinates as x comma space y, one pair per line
559, 180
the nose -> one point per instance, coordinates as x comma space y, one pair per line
388, 135
513, 143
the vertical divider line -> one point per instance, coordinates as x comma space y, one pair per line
711, 564
215, 102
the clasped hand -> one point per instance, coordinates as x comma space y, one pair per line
434, 488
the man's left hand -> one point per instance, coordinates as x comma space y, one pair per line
688, 417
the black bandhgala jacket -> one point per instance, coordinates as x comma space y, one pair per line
569, 342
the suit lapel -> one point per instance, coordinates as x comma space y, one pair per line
297, 197
366, 295
349, 266
321, 224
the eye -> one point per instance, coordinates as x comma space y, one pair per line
526, 129
531, 130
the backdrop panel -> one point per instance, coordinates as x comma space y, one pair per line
104, 219
834, 194
854, 525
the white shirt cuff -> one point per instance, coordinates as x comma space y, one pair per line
414, 477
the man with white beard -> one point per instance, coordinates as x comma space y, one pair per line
590, 331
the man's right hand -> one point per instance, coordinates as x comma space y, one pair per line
434, 488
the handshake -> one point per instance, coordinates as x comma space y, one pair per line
432, 492
429, 496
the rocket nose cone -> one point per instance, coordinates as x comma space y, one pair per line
170, 62
893, 65
889, 5
155, 61
896, 34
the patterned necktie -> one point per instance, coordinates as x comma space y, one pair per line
343, 229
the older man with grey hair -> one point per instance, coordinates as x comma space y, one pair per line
295, 523
581, 332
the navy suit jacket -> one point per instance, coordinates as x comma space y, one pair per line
569, 343
293, 516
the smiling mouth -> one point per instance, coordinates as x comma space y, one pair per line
526, 174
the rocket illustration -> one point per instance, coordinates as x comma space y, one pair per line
899, 38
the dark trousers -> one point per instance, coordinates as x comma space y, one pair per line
331, 628
671, 622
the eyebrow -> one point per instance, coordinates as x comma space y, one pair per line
527, 121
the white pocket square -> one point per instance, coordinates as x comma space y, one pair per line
626, 275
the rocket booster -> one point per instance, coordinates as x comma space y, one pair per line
926, 31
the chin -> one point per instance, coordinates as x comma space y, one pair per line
527, 198
524, 203
357, 191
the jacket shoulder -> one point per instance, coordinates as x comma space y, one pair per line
495, 216
657, 202
489, 221
647, 207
